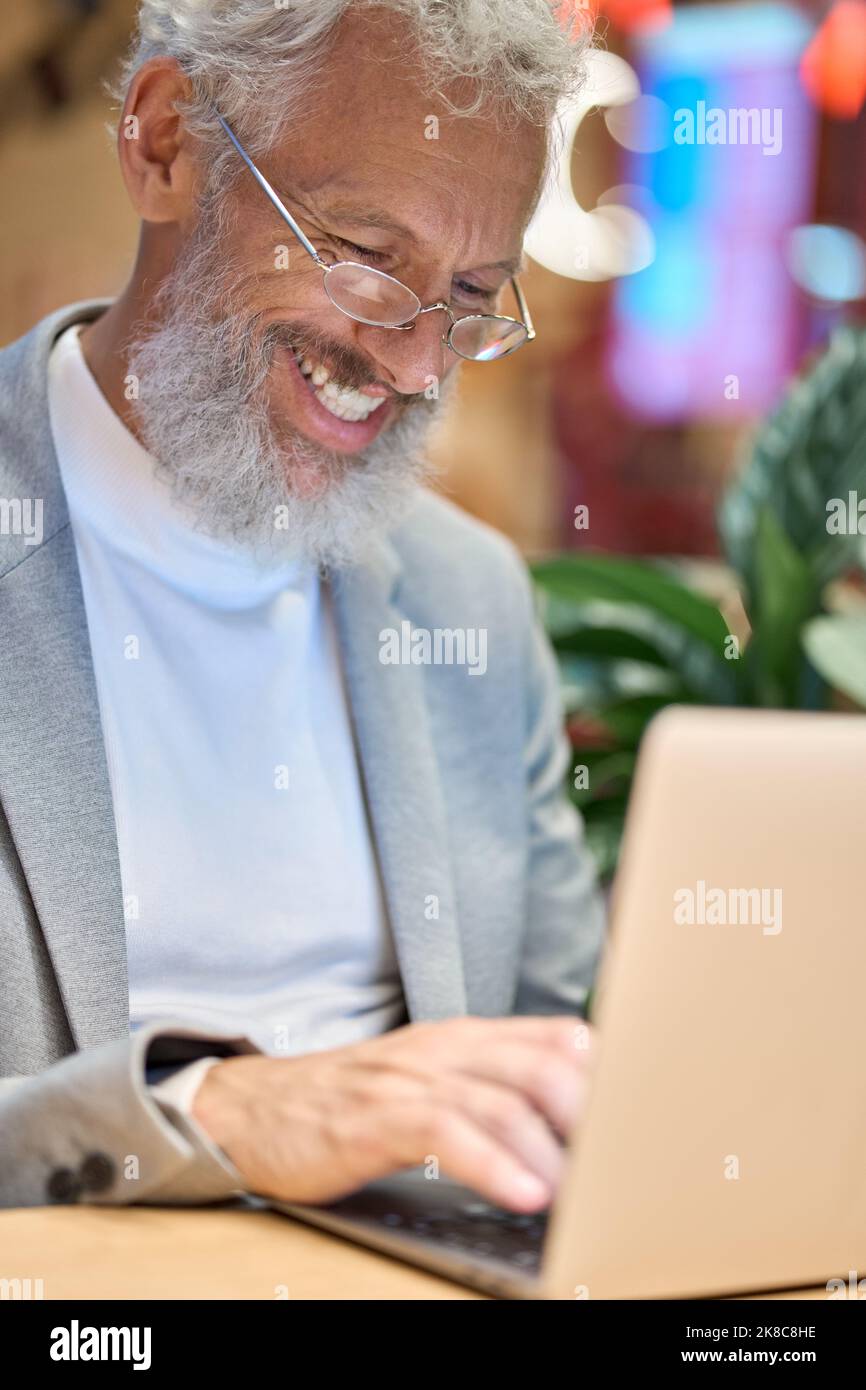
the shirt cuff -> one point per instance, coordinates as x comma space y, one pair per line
175, 1096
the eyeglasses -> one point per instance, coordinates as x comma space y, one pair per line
370, 296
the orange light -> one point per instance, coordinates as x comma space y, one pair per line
639, 14
833, 67
578, 16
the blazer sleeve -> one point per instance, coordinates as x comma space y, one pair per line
90, 1129
565, 916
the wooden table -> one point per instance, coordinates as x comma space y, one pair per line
214, 1253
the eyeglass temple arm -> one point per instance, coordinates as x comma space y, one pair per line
269, 192
523, 307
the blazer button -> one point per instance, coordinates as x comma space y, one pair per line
96, 1172
64, 1185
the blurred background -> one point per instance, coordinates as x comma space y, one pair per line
677, 282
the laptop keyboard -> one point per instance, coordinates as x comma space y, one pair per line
479, 1229
473, 1228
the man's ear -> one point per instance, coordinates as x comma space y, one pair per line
154, 147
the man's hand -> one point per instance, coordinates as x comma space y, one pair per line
490, 1099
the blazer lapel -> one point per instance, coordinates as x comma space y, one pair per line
403, 790
54, 781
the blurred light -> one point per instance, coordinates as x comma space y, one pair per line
609, 240
610, 81
678, 291
711, 38
638, 14
622, 243
828, 262
631, 195
710, 328
643, 125
833, 69
578, 16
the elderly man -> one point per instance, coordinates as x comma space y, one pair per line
290, 896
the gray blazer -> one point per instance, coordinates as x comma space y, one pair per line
463, 776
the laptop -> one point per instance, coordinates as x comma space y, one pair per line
724, 1143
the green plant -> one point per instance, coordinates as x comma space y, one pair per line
632, 636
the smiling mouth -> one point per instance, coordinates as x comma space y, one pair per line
345, 402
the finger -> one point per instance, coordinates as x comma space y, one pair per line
512, 1121
469, 1154
556, 1084
451, 1039
546, 1060
563, 1033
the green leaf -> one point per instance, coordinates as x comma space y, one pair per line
785, 596
836, 646
588, 576
610, 642
628, 631
628, 718
603, 823
589, 684
812, 450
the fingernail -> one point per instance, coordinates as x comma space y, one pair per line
528, 1188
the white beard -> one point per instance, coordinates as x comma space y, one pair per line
202, 414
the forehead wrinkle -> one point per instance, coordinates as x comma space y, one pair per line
366, 216
352, 207
434, 172
361, 217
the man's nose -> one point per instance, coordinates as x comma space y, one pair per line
411, 359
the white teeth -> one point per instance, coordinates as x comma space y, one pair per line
343, 401
345, 407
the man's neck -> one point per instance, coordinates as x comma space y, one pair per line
104, 345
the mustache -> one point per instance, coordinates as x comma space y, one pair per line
348, 365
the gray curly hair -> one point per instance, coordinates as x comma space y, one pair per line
256, 60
